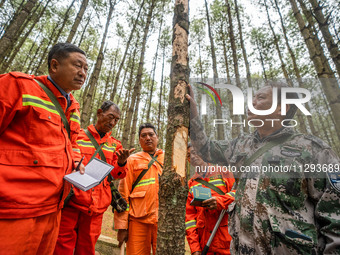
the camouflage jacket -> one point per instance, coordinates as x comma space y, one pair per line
293, 211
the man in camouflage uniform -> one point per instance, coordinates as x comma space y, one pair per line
291, 211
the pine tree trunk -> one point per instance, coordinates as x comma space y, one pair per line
220, 129
173, 183
235, 118
154, 71
32, 60
323, 25
43, 56
126, 108
108, 79
35, 20
259, 50
113, 94
88, 97
295, 66
23, 63
43, 67
324, 72
160, 94
138, 83
277, 46
8, 40
234, 131
77, 20
244, 52
132, 143
81, 39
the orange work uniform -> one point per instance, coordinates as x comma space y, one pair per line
200, 221
35, 154
141, 217
81, 219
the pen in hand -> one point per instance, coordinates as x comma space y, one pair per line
77, 168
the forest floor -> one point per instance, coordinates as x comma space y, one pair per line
108, 224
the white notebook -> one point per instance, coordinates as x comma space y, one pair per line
95, 172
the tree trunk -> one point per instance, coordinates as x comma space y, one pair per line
8, 40
113, 94
43, 67
220, 129
45, 52
77, 20
235, 131
86, 110
138, 83
295, 66
276, 43
160, 94
154, 70
23, 63
323, 25
81, 39
132, 143
324, 72
35, 20
173, 189
244, 52
126, 108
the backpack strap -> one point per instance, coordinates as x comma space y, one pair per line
57, 106
96, 145
210, 185
141, 175
267, 147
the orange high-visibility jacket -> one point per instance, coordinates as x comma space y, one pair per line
143, 201
35, 150
97, 199
200, 221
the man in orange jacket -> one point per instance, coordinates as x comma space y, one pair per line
81, 218
37, 151
138, 225
200, 221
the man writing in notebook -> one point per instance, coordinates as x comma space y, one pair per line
38, 147
138, 225
81, 218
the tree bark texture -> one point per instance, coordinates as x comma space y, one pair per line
22, 40
220, 129
295, 66
86, 110
113, 94
77, 20
326, 76
244, 52
7, 41
173, 183
323, 25
138, 84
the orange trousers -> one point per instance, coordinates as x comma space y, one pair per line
78, 232
142, 237
30, 236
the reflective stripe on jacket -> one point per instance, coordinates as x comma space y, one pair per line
143, 201
35, 151
97, 199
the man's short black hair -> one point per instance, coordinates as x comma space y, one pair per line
107, 104
61, 51
146, 125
